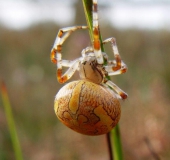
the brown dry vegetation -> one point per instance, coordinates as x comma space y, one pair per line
30, 77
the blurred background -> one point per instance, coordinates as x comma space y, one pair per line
27, 32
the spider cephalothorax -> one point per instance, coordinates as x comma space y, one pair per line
89, 106
92, 71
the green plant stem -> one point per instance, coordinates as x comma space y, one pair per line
113, 138
109, 144
11, 123
116, 141
87, 4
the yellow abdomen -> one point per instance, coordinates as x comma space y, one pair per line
87, 108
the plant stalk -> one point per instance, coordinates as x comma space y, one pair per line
113, 137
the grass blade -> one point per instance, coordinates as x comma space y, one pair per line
11, 123
113, 138
116, 143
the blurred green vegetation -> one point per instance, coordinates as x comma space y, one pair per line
30, 78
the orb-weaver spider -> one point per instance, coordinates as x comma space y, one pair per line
88, 106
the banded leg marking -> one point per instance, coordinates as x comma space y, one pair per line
116, 66
96, 38
69, 73
56, 56
120, 92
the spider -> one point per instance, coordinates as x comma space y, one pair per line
91, 105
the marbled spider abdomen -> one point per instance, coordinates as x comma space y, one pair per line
87, 108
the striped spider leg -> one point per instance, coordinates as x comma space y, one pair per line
114, 67
56, 55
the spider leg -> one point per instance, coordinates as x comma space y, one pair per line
67, 63
73, 66
116, 66
121, 93
111, 72
56, 56
88, 50
62, 35
96, 38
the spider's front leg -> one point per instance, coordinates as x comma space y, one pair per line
89, 51
56, 56
116, 66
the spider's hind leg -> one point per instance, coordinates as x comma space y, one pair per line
116, 66
120, 93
